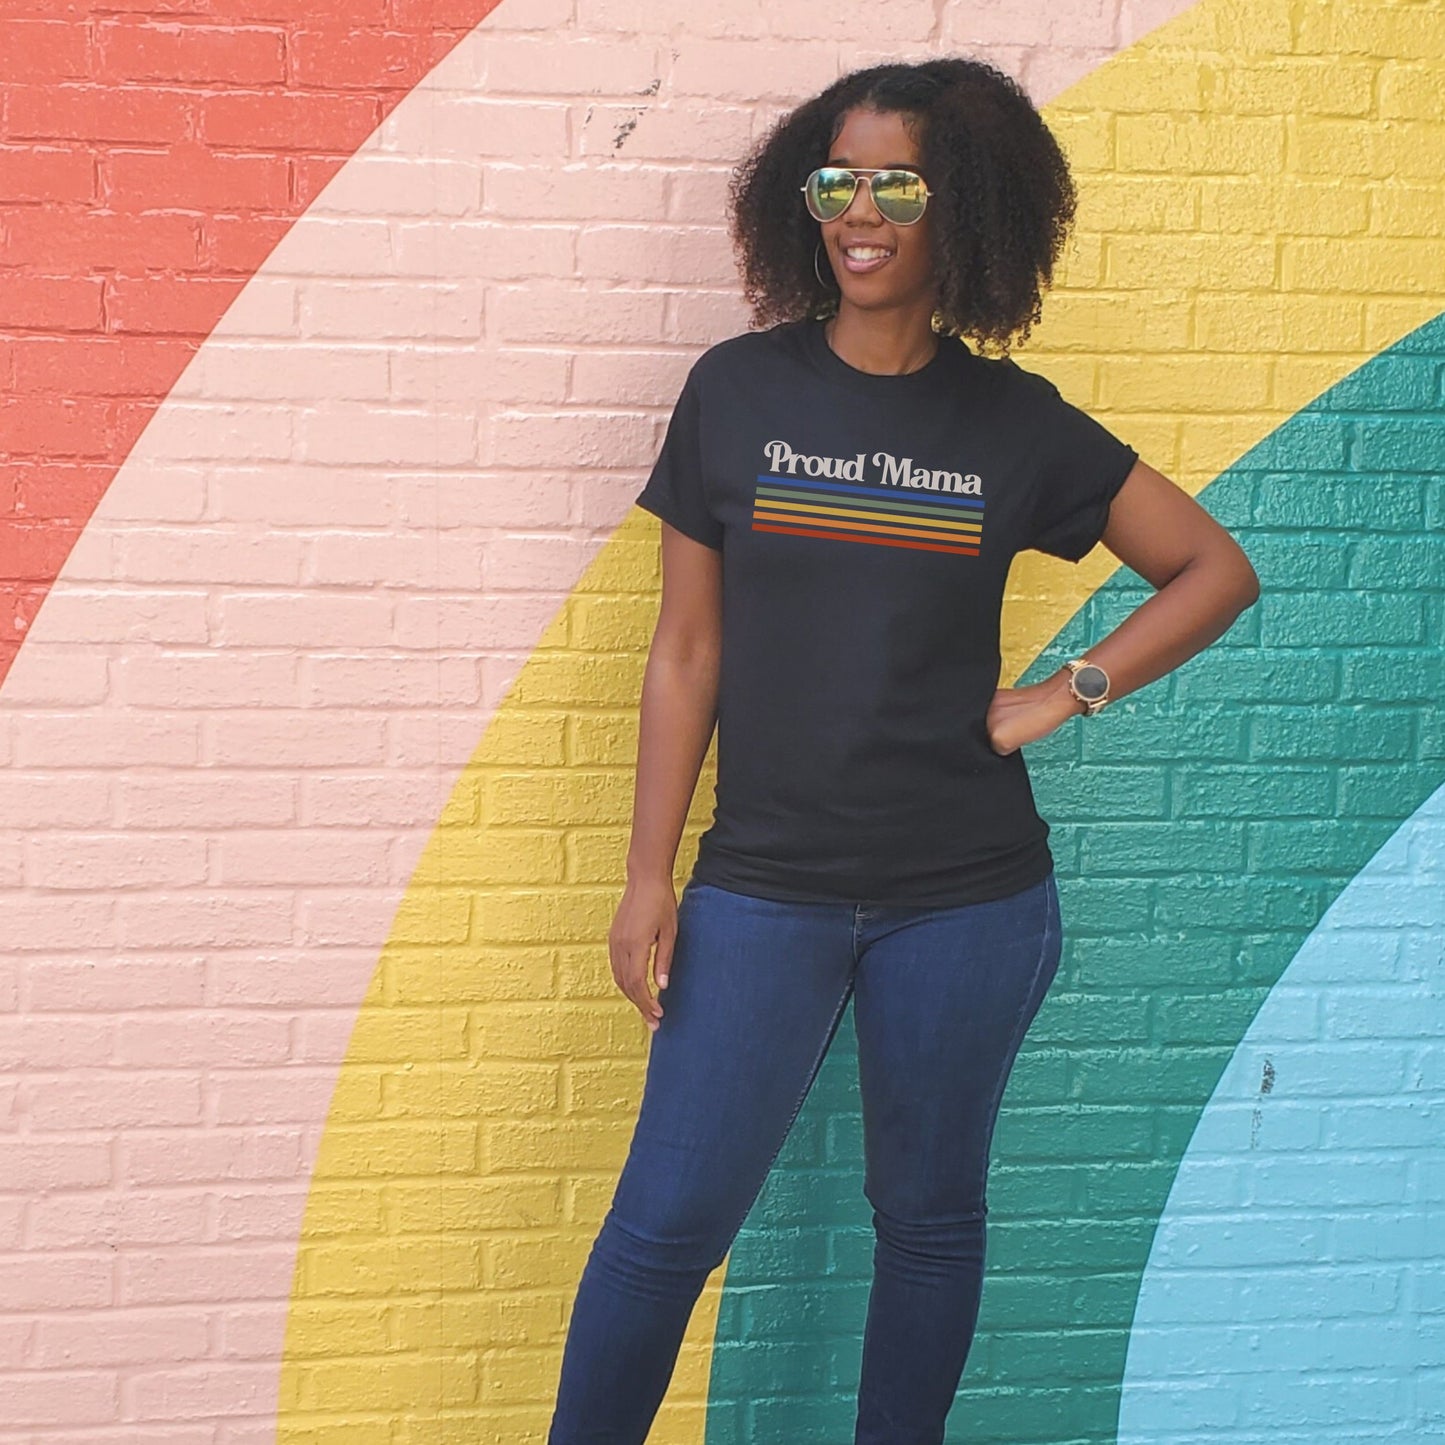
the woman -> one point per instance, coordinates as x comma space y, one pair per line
842, 493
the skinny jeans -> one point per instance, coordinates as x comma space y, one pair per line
942, 999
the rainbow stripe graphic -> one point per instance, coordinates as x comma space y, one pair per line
802, 507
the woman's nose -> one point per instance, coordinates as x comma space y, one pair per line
863, 193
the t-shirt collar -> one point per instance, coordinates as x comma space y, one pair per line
894, 386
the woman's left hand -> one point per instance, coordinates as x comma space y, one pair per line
1019, 715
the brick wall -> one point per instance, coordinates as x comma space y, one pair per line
335, 350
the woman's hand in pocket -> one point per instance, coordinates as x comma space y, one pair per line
646, 920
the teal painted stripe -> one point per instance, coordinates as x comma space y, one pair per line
1202, 827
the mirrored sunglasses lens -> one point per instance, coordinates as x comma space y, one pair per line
900, 195
830, 191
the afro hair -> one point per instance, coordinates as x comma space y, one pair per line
1002, 197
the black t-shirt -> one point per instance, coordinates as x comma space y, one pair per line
866, 525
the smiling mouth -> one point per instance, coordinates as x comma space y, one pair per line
862, 259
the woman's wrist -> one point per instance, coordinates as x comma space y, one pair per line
1063, 695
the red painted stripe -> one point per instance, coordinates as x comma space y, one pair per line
148, 166
871, 541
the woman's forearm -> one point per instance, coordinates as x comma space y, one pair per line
677, 713
1182, 618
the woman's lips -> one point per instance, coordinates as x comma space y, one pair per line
861, 267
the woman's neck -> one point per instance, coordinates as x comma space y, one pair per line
892, 344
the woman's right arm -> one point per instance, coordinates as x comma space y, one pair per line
677, 714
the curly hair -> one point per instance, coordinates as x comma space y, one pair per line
1002, 197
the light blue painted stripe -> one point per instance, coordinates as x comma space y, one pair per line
1295, 1289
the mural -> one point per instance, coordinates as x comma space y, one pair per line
335, 351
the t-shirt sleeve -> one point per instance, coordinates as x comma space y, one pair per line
1083, 465
675, 490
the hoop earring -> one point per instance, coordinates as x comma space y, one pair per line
822, 280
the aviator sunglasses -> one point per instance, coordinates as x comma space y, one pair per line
901, 196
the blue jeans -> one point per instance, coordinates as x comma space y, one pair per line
942, 998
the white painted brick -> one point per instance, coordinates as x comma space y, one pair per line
267, 1097
301, 737
266, 307
351, 247
164, 491
344, 918
390, 799
437, 738
202, 918
300, 496
371, 312
600, 377
215, 555
123, 614
552, 65
61, 675
67, 985
496, 621
742, 70
685, 134
578, 191
502, 251
43, 800
216, 431
658, 17
413, 185
447, 377
420, 682
480, 499
474, 126
92, 740
37, 1040
210, 799
676, 255
173, 1156
104, 861
12, 859
555, 313
339, 434
300, 619
213, 678
38, 1166
450, 561
249, 372
106, 1099
300, 856
540, 439
119, 1337
295, 978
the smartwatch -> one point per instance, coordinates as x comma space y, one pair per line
1089, 683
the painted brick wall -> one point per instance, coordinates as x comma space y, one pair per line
334, 350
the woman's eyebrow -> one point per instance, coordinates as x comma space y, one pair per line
890, 166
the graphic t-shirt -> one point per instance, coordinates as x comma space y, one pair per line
866, 525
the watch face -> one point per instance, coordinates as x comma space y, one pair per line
1091, 683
